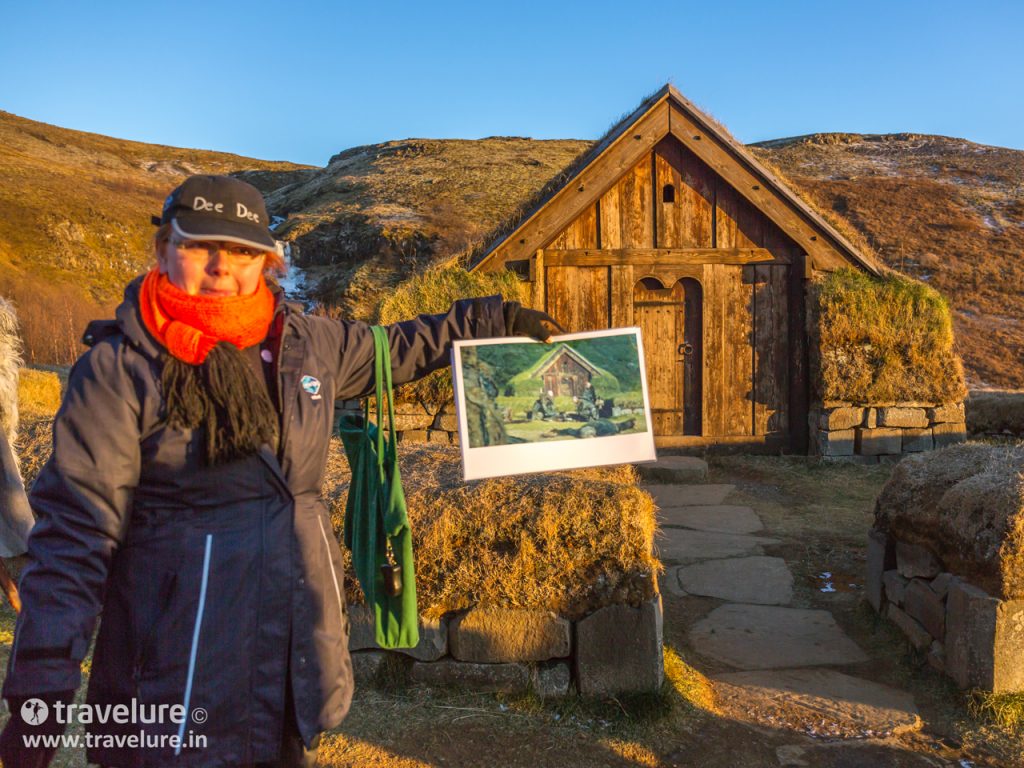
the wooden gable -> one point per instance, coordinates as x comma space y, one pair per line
709, 166
565, 351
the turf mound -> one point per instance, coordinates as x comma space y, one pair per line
570, 542
966, 504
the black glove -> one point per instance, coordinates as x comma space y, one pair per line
523, 321
14, 750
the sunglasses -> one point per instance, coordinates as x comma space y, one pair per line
242, 254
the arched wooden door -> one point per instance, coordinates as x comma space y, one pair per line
670, 321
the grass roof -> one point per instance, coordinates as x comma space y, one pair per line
882, 339
524, 382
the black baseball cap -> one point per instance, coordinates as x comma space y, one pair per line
218, 208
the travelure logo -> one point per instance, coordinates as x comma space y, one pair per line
35, 711
312, 385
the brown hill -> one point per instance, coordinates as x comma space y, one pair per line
76, 208
944, 210
75, 221
378, 213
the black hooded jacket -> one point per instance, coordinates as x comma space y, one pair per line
213, 582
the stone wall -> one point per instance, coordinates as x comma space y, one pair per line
964, 632
616, 649
867, 434
415, 422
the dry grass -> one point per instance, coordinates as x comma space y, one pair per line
692, 688
996, 412
39, 393
883, 340
568, 542
35, 442
433, 291
1005, 710
76, 221
378, 214
807, 194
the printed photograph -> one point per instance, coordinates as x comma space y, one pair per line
578, 400
567, 390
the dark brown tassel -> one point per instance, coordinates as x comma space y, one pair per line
224, 396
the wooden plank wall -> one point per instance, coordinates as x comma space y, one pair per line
578, 297
749, 328
688, 222
771, 337
728, 357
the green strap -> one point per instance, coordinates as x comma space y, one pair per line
386, 451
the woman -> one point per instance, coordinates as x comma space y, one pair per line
183, 501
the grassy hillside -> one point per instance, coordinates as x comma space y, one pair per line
76, 210
75, 222
944, 210
377, 214
947, 211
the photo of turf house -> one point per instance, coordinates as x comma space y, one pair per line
564, 372
670, 224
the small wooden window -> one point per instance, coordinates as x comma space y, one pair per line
668, 193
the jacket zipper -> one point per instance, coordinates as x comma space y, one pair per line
195, 640
330, 564
281, 349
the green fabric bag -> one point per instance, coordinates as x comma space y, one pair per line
375, 513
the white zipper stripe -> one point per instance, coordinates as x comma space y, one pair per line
195, 640
330, 564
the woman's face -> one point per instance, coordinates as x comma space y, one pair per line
209, 267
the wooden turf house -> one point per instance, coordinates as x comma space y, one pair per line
565, 372
670, 224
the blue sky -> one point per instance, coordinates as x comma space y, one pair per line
303, 80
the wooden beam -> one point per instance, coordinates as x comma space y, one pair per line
705, 145
585, 257
762, 444
539, 280
582, 191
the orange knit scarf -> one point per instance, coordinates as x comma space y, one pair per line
190, 326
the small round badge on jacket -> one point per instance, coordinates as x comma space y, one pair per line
312, 386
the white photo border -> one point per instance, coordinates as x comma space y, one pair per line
525, 458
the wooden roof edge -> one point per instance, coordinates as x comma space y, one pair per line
580, 164
742, 154
719, 131
547, 361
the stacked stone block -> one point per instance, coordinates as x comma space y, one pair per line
974, 638
884, 432
613, 650
417, 423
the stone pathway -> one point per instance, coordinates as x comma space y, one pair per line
777, 652
757, 580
